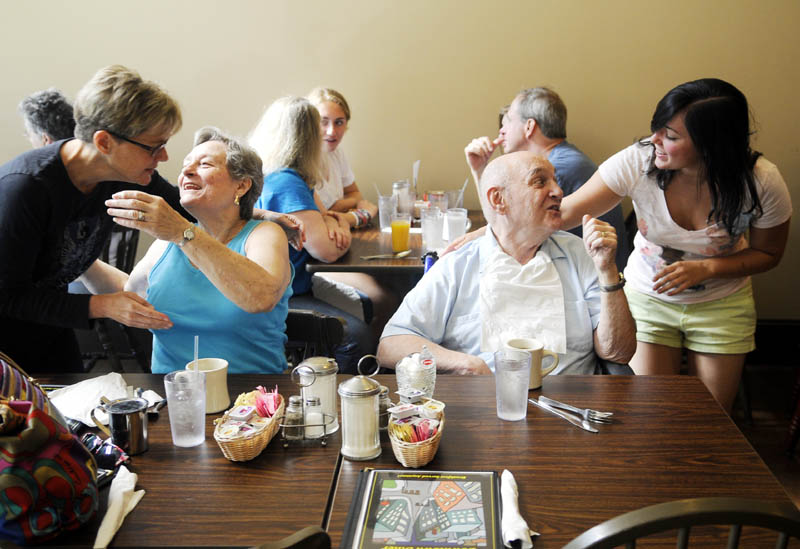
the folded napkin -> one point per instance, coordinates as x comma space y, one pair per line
121, 501
77, 401
512, 524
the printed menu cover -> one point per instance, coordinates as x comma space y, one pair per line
415, 509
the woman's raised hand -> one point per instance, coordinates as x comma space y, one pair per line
148, 213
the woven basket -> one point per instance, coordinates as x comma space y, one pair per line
417, 454
249, 445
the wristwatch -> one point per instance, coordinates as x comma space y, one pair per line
614, 287
188, 235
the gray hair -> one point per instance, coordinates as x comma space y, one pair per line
242, 162
119, 100
546, 107
289, 136
48, 112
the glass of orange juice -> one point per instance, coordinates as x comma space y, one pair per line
401, 225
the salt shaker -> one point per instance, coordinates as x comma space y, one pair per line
383, 408
293, 416
312, 412
360, 434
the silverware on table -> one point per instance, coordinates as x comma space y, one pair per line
586, 413
582, 423
398, 255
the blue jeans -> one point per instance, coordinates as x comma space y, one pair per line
357, 340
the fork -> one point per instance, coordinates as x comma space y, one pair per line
586, 413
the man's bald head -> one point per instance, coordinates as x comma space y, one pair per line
505, 169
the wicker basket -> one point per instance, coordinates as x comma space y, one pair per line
248, 446
417, 454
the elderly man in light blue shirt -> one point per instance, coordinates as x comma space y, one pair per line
445, 311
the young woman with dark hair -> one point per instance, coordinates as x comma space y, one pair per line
711, 212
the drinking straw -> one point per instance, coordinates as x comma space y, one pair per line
377, 190
463, 188
196, 354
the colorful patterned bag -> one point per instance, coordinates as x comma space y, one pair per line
48, 479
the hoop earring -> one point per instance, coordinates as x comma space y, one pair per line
236, 200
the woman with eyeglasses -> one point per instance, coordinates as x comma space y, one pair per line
54, 223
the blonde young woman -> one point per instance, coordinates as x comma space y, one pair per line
339, 193
289, 140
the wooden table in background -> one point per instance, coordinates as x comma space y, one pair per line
371, 241
196, 497
670, 441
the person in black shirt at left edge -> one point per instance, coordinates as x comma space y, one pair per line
54, 223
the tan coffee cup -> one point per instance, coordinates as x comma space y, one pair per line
216, 372
537, 351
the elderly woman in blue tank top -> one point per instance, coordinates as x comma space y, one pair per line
226, 278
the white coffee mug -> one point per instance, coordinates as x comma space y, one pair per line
216, 372
537, 351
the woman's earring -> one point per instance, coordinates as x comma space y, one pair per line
236, 200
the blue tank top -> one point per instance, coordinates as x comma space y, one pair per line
250, 342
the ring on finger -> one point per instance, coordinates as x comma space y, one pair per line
140, 216
602, 234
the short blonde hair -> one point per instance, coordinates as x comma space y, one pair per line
289, 136
119, 100
319, 95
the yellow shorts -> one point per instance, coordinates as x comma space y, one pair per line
725, 326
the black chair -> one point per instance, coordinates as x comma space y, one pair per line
310, 537
311, 334
119, 252
682, 515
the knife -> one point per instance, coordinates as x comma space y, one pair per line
563, 415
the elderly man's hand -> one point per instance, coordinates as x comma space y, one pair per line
600, 240
472, 366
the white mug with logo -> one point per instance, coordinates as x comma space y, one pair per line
537, 352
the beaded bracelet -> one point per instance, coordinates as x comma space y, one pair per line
362, 217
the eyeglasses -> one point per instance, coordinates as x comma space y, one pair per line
153, 150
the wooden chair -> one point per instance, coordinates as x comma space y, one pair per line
310, 537
683, 514
311, 334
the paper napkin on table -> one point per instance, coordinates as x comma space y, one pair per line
121, 501
77, 401
512, 524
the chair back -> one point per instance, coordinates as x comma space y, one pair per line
682, 515
120, 250
311, 334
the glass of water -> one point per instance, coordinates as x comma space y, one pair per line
432, 228
186, 404
512, 370
387, 207
456, 223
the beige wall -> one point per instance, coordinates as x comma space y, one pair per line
425, 76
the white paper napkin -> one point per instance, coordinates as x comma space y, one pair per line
77, 401
512, 524
121, 501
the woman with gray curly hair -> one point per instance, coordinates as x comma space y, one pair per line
227, 277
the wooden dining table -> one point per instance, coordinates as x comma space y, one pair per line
196, 497
372, 241
669, 440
